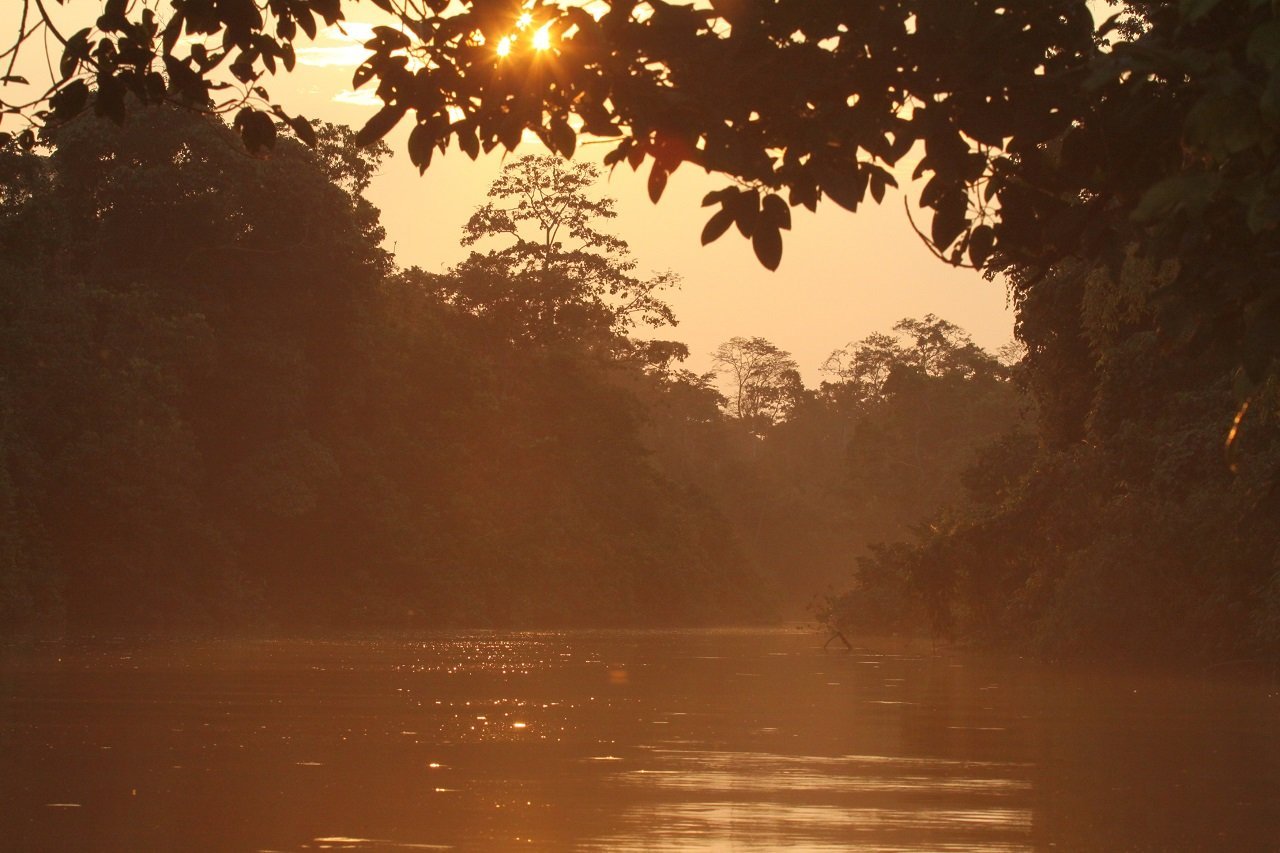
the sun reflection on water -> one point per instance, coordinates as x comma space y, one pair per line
709, 799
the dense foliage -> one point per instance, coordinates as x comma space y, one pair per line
222, 406
1143, 516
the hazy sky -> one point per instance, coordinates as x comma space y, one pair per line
842, 277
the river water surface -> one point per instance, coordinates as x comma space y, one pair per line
612, 741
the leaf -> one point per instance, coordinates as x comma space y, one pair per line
242, 71
933, 191
69, 100
1109, 25
720, 197
154, 87
880, 180
330, 10
596, 122
363, 74
241, 17
256, 129
113, 18
614, 157
172, 31
716, 226
510, 132
109, 100
806, 194
562, 136
184, 81
307, 22
775, 211
387, 39
635, 156
75, 52
380, 124
657, 181
994, 185
746, 210
467, 140
767, 242
981, 241
845, 189
421, 146
304, 130
949, 220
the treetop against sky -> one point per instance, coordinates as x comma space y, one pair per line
844, 276
798, 103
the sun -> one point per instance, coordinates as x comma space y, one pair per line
539, 41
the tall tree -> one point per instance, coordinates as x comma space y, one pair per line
763, 381
558, 276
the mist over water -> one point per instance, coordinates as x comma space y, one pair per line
674, 740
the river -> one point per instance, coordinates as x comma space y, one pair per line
612, 741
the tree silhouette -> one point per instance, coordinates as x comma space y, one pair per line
817, 98
797, 100
764, 381
558, 276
